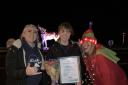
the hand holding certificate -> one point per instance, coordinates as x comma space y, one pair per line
69, 69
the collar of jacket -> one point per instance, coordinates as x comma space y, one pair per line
18, 44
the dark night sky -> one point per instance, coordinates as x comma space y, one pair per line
108, 21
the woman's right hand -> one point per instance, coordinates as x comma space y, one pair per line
32, 70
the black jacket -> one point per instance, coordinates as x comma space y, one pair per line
16, 64
58, 50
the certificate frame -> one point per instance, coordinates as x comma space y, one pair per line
69, 69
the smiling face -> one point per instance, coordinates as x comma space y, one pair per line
64, 34
65, 30
88, 48
30, 33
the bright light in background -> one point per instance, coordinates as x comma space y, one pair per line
47, 36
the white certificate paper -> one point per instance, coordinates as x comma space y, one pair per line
69, 69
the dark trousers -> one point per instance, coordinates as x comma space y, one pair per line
46, 80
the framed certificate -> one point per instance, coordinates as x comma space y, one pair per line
69, 69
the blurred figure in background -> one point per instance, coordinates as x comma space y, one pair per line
9, 42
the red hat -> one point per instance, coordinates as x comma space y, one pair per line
89, 35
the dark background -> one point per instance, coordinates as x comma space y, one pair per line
109, 18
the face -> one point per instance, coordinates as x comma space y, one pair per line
30, 34
88, 48
64, 34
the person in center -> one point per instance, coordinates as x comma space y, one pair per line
64, 47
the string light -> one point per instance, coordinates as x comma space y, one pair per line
93, 41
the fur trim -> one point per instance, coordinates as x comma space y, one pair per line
17, 43
39, 45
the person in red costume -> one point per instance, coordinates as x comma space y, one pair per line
101, 62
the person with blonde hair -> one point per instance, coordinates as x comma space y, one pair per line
24, 60
100, 62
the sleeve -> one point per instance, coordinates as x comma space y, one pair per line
12, 68
51, 53
48, 55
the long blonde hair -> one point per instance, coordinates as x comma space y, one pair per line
29, 26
